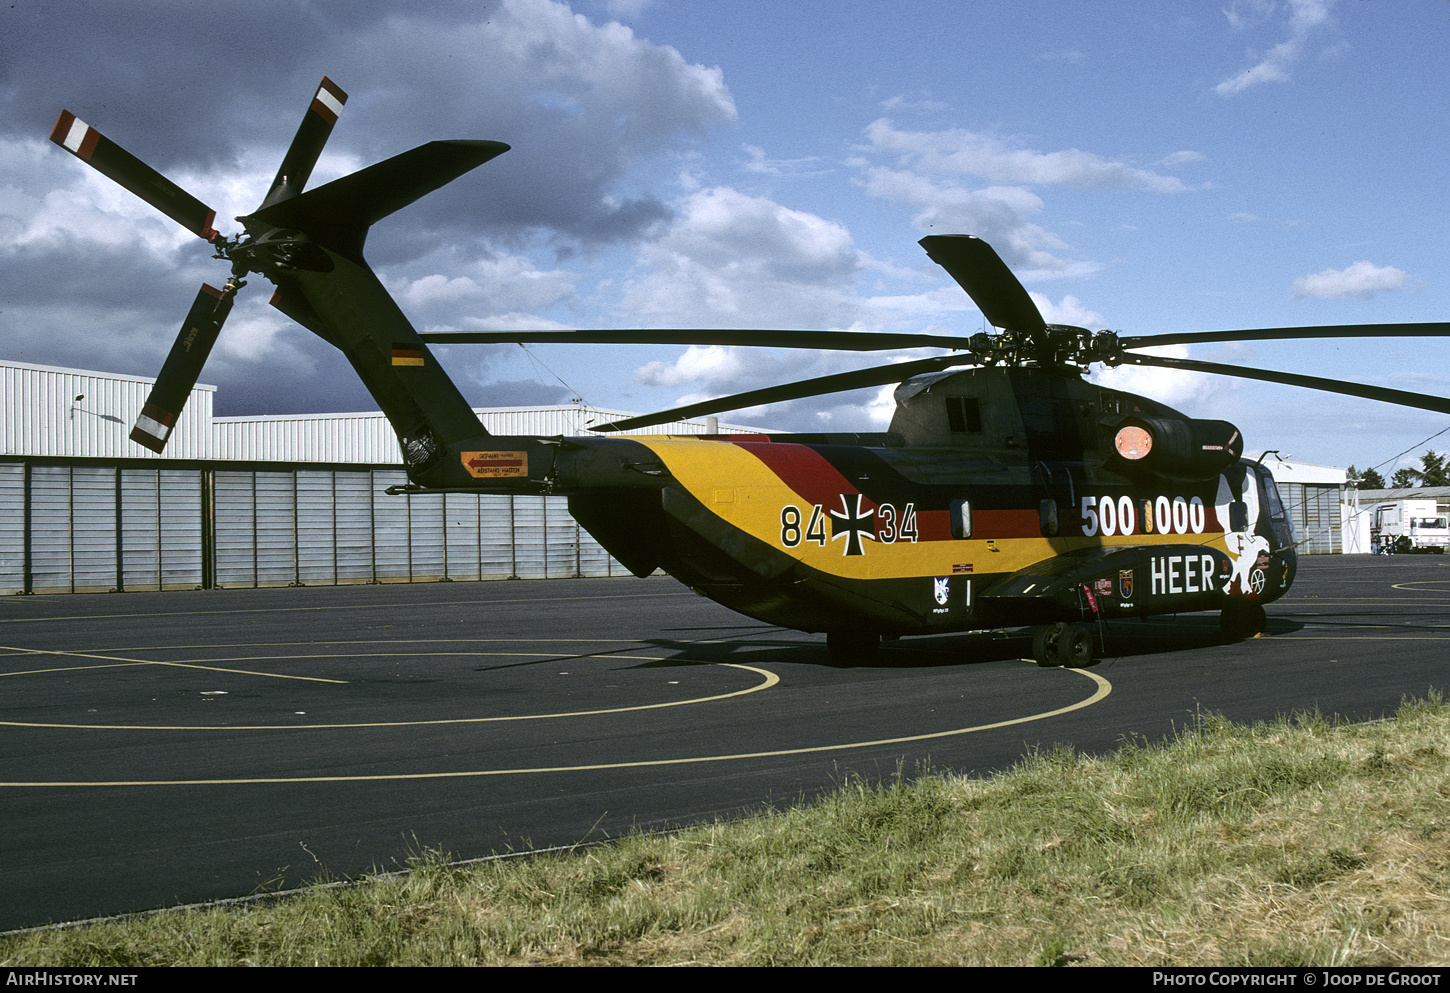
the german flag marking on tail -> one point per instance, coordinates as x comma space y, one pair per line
408, 355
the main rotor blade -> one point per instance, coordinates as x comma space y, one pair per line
1425, 330
998, 294
307, 143
110, 159
858, 341
838, 383
1424, 401
182, 367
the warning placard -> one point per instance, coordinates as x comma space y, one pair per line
493, 465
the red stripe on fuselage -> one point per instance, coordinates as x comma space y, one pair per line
817, 481
804, 470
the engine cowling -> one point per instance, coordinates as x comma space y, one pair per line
1174, 448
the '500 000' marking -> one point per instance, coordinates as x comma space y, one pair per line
1164, 515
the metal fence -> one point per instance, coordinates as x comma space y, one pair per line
94, 527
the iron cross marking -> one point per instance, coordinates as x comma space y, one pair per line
853, 524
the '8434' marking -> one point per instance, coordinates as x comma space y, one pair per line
850, 525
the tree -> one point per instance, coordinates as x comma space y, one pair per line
1433, 471
1404, 478
1369, 479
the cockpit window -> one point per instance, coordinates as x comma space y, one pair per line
1271, 493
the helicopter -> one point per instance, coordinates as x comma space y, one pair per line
1007, 491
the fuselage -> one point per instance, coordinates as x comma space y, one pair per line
995, 498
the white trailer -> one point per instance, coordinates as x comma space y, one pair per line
1404, 526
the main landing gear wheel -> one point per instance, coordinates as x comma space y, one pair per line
1242, 619
1063, 644
853, 647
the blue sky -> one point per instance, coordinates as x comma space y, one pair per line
1143, 167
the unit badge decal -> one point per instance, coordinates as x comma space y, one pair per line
939, 589
1125, 584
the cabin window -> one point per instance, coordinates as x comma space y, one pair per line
964, 415
1047, 517
961, 518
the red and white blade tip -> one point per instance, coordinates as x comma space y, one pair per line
75, 135
153, 427
328, 102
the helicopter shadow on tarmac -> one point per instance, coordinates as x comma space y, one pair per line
1116, 640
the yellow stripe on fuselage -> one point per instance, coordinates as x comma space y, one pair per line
740, 489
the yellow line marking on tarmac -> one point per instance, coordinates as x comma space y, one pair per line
69, 668
178, 665
770, 679
337, 607
1103, 689
1338, 637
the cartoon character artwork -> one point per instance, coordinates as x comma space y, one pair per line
1250, 551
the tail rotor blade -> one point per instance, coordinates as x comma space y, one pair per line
307, 144
110, 159
182, 367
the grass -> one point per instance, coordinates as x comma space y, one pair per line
1284, 844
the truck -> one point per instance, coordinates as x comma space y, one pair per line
1400, 527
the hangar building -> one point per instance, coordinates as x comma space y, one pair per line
255, 501
301, 499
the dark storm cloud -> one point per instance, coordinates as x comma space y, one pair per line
211, 93
199, 85
315, 379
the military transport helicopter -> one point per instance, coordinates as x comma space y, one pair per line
1007, 490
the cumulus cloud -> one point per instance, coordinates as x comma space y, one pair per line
1176, 387
1362, 279
732, 259
961, 152
1306, 19
933, 171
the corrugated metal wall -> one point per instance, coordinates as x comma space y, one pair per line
70, 413
368, 438
92, 527
1314, 510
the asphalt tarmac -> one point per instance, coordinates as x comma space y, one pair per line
170, 748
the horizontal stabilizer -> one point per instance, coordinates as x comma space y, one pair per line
337, 215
